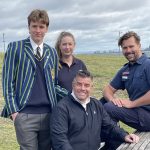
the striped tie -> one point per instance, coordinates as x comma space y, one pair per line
38, 55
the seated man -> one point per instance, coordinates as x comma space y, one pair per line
78, 119
134, 76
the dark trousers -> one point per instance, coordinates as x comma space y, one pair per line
33, 131
138, 118
111, 142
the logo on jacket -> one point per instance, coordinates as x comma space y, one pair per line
125, 75
53, 73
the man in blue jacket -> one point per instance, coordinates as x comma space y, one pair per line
78, 119
134, 77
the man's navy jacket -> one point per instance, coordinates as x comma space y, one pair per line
74, 128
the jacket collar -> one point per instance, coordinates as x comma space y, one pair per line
75, 100
139, 61
75, 61
29, 51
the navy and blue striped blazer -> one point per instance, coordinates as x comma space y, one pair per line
19, 74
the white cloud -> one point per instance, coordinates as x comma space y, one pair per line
95, 24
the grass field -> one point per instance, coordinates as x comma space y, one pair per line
103, 67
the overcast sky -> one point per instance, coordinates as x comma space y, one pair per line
96, 24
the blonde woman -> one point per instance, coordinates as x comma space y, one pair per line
69, 64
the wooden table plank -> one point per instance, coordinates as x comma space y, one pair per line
143, 144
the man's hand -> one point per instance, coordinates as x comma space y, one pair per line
127, 103
117, 101
131, 138
14, 116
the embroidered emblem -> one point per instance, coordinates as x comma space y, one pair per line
59, 66
94, 112
53, 73
125, 75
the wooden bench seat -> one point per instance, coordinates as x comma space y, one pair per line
143, 144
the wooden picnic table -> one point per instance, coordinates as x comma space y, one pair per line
143, 144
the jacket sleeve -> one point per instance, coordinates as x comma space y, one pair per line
59, 129
110, 128
60, 92
8, 78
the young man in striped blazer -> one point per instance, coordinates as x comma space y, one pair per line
29, 78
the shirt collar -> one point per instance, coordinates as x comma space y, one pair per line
81, 102
141, 59
75, 60
34, 46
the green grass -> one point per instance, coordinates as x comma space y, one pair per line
7, 132
103, 68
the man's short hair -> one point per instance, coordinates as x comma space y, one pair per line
127, 36
38, 15
84, 74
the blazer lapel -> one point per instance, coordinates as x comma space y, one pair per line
46, 55
29, 51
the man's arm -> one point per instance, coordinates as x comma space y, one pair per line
60, 92
59, 129
108, 94
143, 100
8, 78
